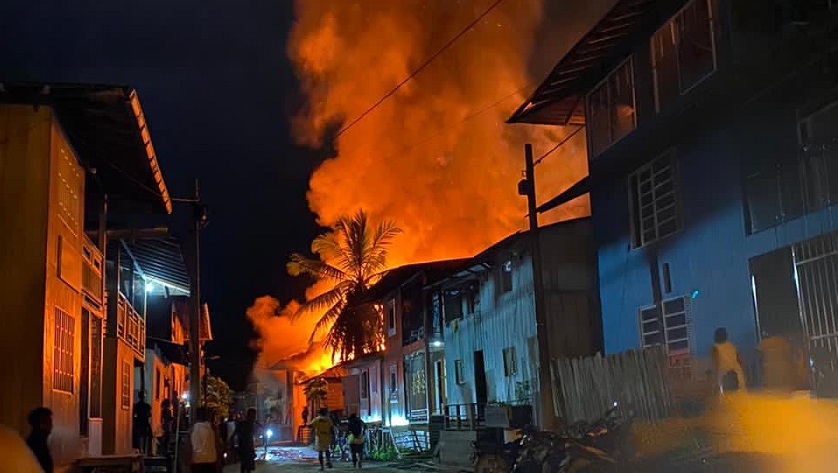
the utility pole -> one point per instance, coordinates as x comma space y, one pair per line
195, 312
545, 392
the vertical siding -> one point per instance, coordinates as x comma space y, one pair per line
24, 171
66, 176
116, 434
500, 321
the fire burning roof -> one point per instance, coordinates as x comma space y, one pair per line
559, 99
106, 126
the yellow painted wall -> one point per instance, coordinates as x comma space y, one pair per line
24, 170
65, 222
116, 435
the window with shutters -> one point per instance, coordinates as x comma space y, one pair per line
459, 372
509, 365
63, 351
653, 201
667, 324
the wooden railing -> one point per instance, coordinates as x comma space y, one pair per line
418, 415
464, 416
130, 326
91, 275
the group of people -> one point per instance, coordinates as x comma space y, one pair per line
207, 444
780, 367
325, 433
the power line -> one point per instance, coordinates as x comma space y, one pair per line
420, 68
465, 119
558, 145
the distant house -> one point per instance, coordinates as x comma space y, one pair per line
75, 161
409, 388
362, 389
712, 134
490, 328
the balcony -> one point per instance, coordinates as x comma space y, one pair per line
130, 327
91, 276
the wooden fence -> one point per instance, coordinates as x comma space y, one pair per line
584, 388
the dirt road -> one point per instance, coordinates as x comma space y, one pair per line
303, 460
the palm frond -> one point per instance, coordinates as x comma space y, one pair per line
300, 264
335, 297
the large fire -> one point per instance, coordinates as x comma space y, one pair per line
437, 157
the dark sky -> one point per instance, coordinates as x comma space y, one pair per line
217, 88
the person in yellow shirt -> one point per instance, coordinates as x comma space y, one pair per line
726, 362
324, 429
777, 363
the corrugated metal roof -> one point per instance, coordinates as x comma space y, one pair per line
559, 99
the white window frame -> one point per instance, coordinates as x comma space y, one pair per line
671, 25
604, 82
459, 372
666, 328
392, 318
637, 238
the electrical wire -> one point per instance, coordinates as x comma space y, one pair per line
558, 145
419, 69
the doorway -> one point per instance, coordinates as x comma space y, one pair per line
439, 386
481, 393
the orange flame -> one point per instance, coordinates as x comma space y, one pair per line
437, 157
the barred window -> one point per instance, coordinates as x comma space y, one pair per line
63, 351
654, 209
126, 385
667, 324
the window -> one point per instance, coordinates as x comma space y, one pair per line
394, 383
374, 380
125, 393
459, 372
63, 351
471, 300
158, 379
819, 140
59, 250
391, 318
611, 112
365, 385
509, 366
667, 324
505, 278
683, 52
653, 205
453, 307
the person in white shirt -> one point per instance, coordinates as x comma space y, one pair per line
15, 453
203, 443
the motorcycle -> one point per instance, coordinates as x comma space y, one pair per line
601, 443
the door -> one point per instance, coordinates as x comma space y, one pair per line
481, 393
439, 386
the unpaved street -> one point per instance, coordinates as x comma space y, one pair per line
303, 460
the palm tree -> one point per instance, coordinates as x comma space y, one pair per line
353, 257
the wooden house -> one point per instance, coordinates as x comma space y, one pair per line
74, 159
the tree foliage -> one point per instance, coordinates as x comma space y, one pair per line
352, 257
218, 396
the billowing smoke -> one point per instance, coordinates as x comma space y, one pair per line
437, 157
283, 340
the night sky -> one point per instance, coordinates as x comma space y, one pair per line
217, 88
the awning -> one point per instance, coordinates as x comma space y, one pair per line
161, 262
576, 190
559, 99
106, 126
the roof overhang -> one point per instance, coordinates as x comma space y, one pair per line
582, 187
107, 129
161, 262
559, 100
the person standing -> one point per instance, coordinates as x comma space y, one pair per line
305, 415
777, 363
356, 440
726, 362
203, 443
142, 425
244, 434
323, 428
40, 422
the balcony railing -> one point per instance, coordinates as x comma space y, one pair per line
91, 276
130, 326
464, 416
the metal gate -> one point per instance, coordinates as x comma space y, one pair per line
816, 275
